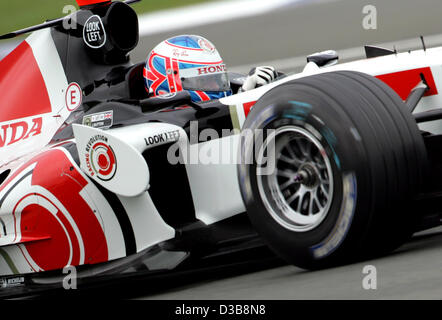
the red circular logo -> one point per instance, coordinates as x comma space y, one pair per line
74, 96
103, 161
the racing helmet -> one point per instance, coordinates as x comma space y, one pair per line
187, 62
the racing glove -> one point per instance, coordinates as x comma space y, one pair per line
259, 76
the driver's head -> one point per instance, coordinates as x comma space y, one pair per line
189, 63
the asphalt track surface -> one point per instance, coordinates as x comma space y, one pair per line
411, 272
414, 271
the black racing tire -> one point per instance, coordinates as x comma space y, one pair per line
365, 163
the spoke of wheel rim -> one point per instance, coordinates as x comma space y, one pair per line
303, 148
294, 162
286, 173
292, 198
300, 193
285, 185
298, 208
320, 165
290, 151
312, 199
318, 203
294, 147
286, 159
324, 191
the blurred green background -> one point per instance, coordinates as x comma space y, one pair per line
17, 14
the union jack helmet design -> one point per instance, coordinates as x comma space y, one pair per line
190, 63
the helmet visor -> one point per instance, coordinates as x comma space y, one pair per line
207, 78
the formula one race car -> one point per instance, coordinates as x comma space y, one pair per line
329, 164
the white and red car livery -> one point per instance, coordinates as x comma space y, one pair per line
77, 190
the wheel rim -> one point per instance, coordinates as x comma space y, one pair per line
298, 193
